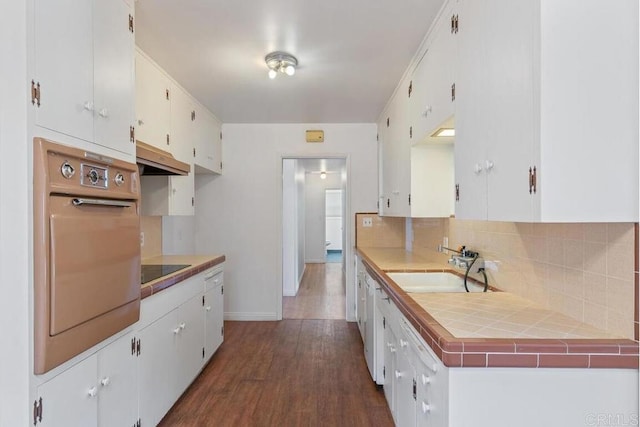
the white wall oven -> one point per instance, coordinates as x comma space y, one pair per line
86, 250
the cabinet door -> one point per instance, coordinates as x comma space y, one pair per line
183, 129
401, 147
71, 398
190, 342
208, 147
385, 166
214, 320
472, 112
113, 75
389, 368
509, 129
158, 368
404, 375
182, 195
152, 103
64, 66
431, 103
118, 383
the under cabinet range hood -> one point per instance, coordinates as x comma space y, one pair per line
154, 161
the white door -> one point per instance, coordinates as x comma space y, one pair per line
118, 383
64, 66
113, 75
191, 350
152, 103
71, 398
157, 368
333, 219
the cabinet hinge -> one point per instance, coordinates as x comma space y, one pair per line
377, 137
35, 93
37, 411
410, 132
131, 23
384, 372
167, 93
454, 24
133, 346
193, 115
138, 348
203, 300
453, 92
194, 152
457, 192
220, 136
203, 352
388, 203
193, 201
414, 389
387, 121
167, 139
132, 134
409, 199
138, 423
220, 165
222, 330
384, 323
533, 180
410, 88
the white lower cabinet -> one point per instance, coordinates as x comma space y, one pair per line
214, 306
156, 368
422, 391
176, 340
100, 390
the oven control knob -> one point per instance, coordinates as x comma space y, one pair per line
67, 170
93, 176
119, 179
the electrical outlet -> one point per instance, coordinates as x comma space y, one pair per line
367, 221
445, 243
141, 238
491, 265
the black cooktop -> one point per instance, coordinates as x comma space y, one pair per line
151, 272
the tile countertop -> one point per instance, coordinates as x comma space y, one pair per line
495, 329
198, 264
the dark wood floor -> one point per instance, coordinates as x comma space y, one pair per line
287, 373
321, 294
297, 372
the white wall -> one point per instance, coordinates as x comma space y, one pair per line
240, 213
178, 235
15, 237
300, 178
315, 236
290, 228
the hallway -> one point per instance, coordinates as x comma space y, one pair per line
321, 294
296, 372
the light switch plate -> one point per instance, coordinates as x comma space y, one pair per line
367, 221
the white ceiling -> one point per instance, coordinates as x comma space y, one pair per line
351, 53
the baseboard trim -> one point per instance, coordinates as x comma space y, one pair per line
249, 317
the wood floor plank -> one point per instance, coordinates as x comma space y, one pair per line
296, 372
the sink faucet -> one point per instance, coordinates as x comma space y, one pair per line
466, 259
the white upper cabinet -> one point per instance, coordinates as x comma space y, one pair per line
153, 107
547, 111
207, 153
431, 102
83, 70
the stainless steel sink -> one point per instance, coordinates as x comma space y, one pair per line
433, 282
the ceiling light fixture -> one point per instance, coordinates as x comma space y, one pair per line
323, 175
281, 62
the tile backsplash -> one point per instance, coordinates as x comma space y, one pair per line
585, 271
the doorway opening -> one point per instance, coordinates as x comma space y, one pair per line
314, 237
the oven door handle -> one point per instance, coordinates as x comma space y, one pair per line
101, 202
